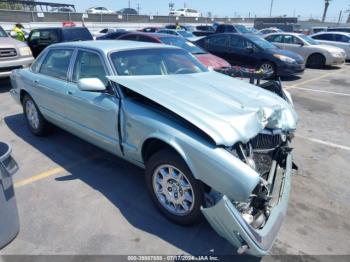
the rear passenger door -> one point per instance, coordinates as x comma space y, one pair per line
49, 85
218, 45
93, 115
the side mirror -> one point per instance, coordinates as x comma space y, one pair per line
91, 84
301, 43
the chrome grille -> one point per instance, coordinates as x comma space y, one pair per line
7, 52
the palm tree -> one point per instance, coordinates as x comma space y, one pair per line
326, 5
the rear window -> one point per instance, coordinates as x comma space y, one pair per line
76, 34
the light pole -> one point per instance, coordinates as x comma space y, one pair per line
326, 5
271, 7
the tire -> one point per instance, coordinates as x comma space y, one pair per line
177, 194
268, 66
35, 120
316, 61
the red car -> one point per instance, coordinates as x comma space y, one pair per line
206, 59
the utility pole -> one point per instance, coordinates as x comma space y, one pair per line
171, 6
138, 8
340, 15
326, 5
348, 11
129, 4
271, 7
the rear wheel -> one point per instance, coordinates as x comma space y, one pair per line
316, 61
173, 189
35, 120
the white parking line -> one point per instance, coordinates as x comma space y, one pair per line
320, 91
330, 144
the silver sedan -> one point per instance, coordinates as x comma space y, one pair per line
315, 54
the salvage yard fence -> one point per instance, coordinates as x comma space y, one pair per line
31, 16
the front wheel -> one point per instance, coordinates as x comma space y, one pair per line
268, 68
35, 120
173, 189
316, 61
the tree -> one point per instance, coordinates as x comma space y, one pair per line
326, 5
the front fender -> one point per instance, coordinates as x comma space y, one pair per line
209, 163
214, 166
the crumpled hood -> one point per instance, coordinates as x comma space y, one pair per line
227, 109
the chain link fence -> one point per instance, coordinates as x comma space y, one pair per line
30, 17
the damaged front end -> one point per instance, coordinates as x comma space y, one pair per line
252, 225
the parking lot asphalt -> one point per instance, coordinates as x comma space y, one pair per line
76, 199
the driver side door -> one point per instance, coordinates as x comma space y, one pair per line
93, 115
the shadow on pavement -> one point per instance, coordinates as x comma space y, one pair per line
5, 85
123, 185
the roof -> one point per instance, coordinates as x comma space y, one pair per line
286, 33
332, 32
153, 35
110, 45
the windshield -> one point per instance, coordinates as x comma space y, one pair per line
185, 33
308, 39
156, 61
242, 29
182, 43
262, 43
3, 33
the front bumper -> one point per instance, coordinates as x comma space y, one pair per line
6, 66
290, 69
228, 222
335, 60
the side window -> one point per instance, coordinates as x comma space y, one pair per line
35, 35
56, 63
221, 40
342, 38
237, 42
104, 31
290, 39
89, 65
48, 36
327, 37
275, 38
220, 29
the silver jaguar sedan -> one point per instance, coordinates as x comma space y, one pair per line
315, 54
211, 145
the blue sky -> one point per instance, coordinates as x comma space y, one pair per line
304, 8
